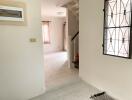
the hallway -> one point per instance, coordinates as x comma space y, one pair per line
57, 72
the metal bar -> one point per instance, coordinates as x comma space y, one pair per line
130, 43
117, 56
115, 31
104, 26
75, 36
117, 27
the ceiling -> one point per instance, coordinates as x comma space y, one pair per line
73, 6
53, 8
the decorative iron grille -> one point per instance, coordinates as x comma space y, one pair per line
117, 28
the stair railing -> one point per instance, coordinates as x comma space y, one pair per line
74, 56
75, 36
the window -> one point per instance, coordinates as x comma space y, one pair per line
46, 32
117, 28
8, 13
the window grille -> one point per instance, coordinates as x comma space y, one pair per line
117, 28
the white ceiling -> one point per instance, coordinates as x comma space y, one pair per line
52, 8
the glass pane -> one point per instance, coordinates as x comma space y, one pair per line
110, 41
46, 35
125, 19
10, 13
123, 49
111, 7
125, 5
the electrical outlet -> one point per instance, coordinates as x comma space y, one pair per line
32, 40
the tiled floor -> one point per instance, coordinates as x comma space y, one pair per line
57, 72
73, 91
63, 83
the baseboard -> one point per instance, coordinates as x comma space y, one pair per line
38, 94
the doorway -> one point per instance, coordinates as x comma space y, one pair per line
57, 46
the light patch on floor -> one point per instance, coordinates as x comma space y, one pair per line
57, 72
74, 91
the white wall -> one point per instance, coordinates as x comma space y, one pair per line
21, 62
73, 25
107, 73
56, 35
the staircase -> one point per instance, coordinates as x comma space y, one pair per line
75, 44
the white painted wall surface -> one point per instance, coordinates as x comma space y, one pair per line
73, 24
110, 74
21, 62
56, 35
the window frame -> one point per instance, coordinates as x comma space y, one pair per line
104, 34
